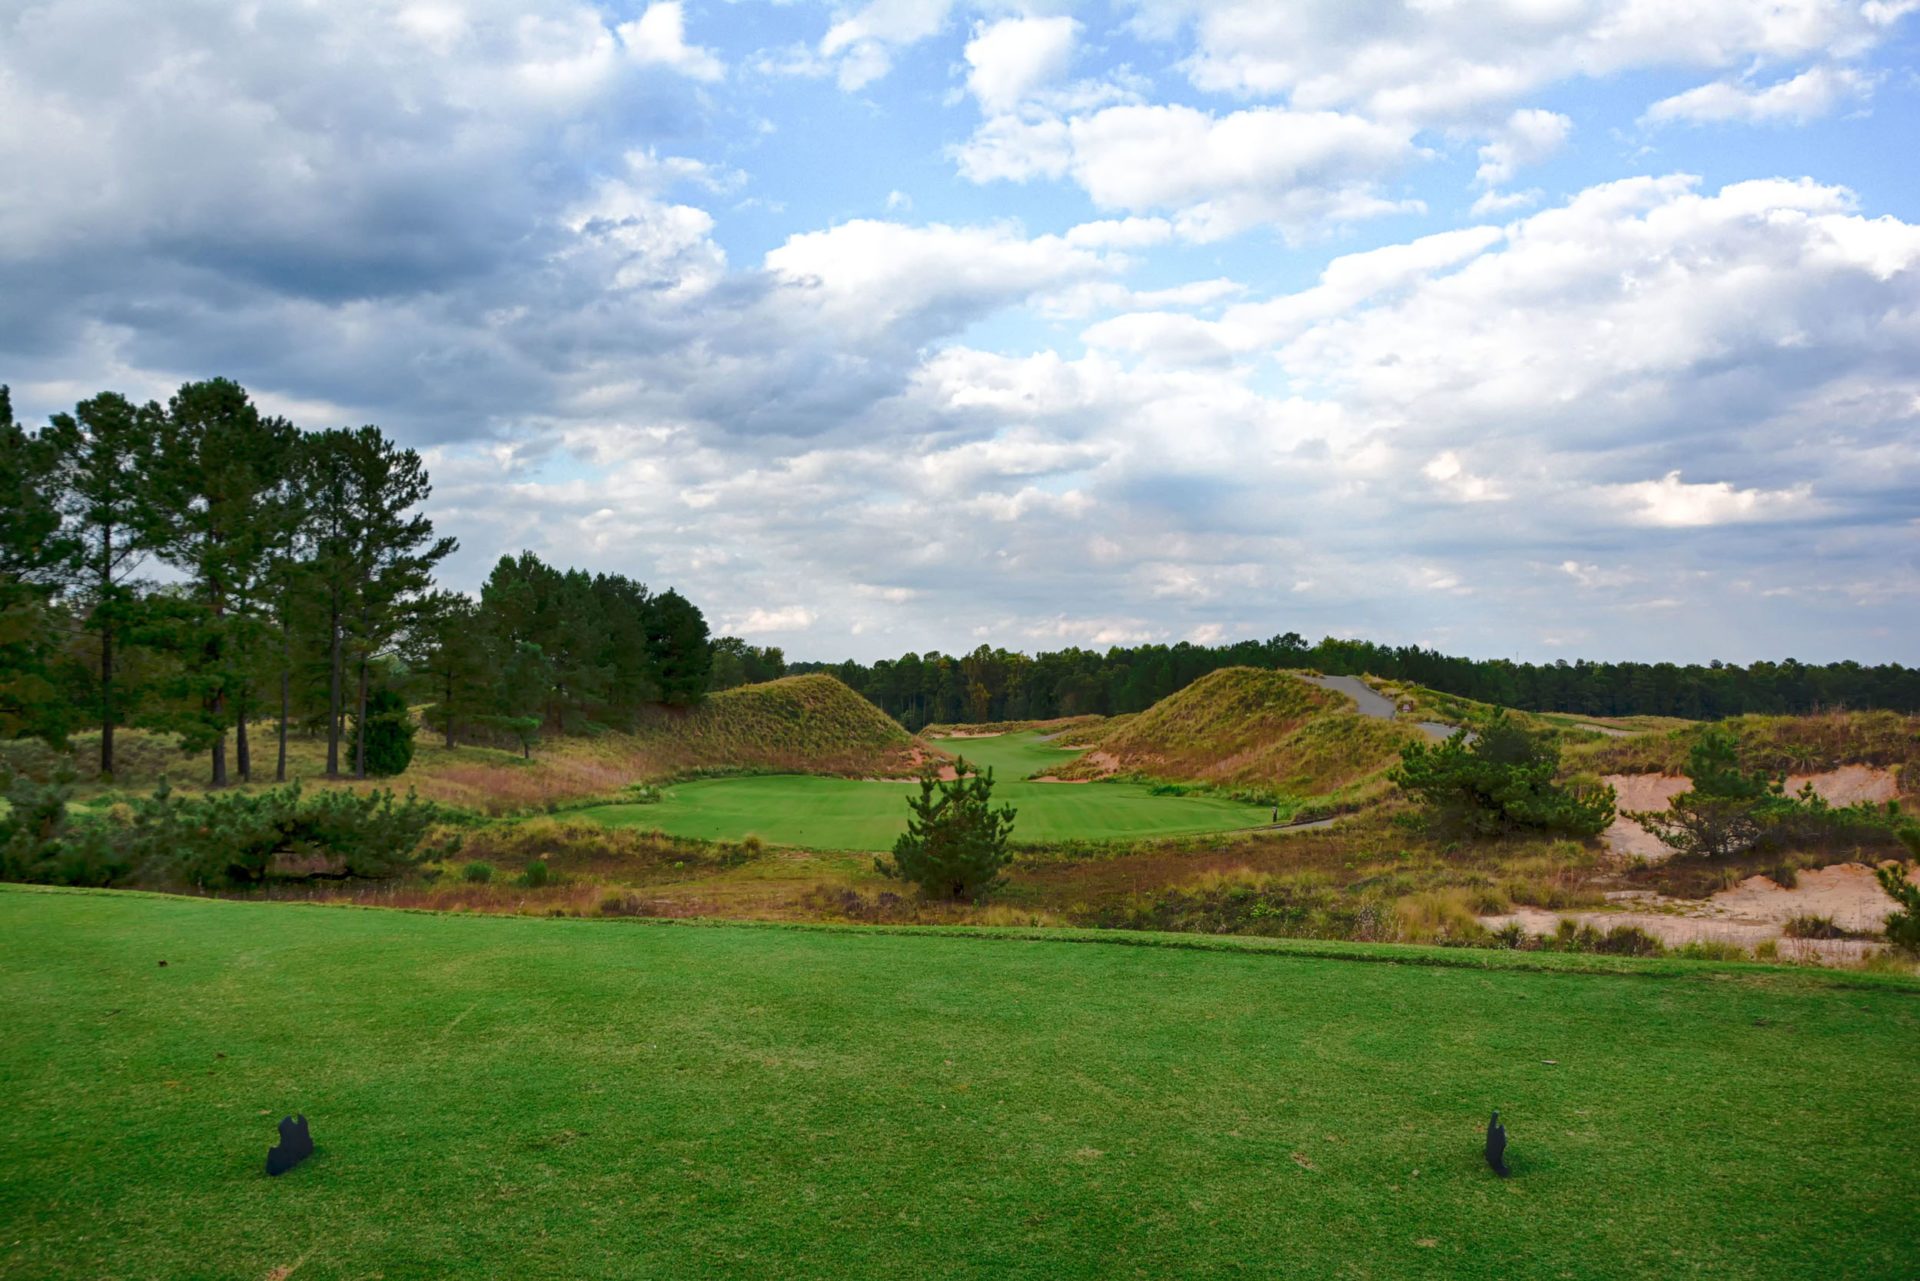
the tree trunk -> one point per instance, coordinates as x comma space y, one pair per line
106, 700
280, 769
333, 690
446, 706
242, 756
219, 744
360, 727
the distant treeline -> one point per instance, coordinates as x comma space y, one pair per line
997, 685
301, 590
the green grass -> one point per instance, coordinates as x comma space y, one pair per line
579, 1099
1011, 756
843, 814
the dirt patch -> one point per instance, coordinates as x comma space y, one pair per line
1640, 792
963, 734
1608, 730
1848, 785
1848, 894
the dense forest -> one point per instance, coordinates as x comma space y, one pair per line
996, 685
199, 569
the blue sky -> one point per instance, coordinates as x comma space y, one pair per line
1544, 328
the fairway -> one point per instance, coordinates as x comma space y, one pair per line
580, 1099
847, 814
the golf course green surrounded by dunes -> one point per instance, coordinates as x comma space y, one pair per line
849, 814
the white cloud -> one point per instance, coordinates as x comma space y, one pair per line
1298, 171
1124, 233
1808, 96
1444, 64
789, 618
1010, 58
1591, 576
1447, 472
872, 277
860, 45
1499, 202
658, 37
1672, 503
1528, 137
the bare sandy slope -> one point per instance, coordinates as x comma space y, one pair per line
1844, 786
1848, 894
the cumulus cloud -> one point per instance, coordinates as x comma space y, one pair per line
1008, 59
860, 44
1464, 63
1217, 175
1528, 137
1671, 502
1811, 94
501, 230
658, 36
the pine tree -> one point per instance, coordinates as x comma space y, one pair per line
34, 552
955, 845
107, 438
217, 475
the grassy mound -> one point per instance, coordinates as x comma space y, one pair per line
1780, 744
799, 724
1243, 727
582, 1099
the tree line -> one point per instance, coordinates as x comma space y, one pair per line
198, 567
999, 685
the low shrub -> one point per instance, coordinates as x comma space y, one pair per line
536, 874
621, 903
1713, 950
477, 873
1812, 927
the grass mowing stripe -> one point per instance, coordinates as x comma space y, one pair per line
499, 1096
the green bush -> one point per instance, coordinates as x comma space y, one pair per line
1499, 781
1903, 927
228, 839
390, 732
1729, 811
536, 875
955, 844
478, 873
41, 843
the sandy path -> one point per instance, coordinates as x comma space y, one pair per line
1372, 704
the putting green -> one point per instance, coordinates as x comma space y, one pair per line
836, 813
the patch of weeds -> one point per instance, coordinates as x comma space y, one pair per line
1808, 926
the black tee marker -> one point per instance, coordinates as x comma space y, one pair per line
1497, 1145
296, 1145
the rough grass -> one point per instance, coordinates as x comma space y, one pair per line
598, 1099
1246, 728
801, 724
1056, 726
1780, 744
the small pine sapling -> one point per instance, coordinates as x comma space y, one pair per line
955, 845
